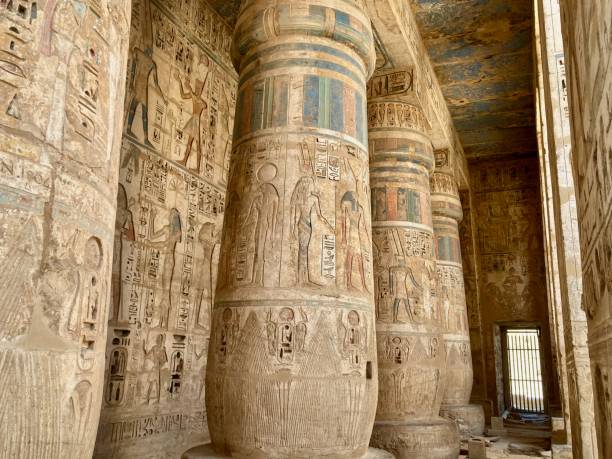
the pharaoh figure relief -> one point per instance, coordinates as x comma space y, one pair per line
171, 201
293, 315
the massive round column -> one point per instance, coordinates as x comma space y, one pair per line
412, 365
292, 360
447, 214
62, 79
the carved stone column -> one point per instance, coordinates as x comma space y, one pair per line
292, 360
447, 214
62, 78
412, 365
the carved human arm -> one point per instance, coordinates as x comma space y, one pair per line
156, 81
184, 95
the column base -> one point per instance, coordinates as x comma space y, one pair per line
470, 419
207, 452
429, 439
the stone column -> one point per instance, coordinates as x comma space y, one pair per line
447, 213
292, 360
412, 371
62, 78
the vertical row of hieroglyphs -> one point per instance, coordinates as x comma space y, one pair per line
411, 355
587, 33
447, 214
179, 109
510, 246
292, 357
62, 73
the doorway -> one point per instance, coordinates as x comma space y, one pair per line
523, 374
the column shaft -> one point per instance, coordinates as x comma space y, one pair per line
62, 78
447, 213
292, 361
412, 366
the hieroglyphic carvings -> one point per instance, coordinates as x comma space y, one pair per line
171, 200
61, 83
470, 262
409, 314
587, 28
510, 248
447, 214
292, 365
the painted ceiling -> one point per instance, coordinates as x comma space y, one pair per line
482, 54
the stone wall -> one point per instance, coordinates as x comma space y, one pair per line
512, 283
562, 235
179, 106
587, 34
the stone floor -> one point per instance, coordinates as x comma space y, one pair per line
514, 447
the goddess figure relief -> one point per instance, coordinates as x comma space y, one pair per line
262, 216
305, 215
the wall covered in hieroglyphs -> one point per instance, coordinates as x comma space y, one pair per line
512, 283
470, 259
587, 34
180, 100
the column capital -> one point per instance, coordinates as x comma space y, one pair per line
309, 23
396, 121
445, 200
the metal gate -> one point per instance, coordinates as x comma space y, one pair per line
525, 388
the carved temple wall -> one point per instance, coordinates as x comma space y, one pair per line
587, 35
179, 109
471, 263
562, 238
512, 284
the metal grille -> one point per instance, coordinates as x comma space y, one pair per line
525, 370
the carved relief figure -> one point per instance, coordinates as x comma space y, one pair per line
262, 217
124, 231
204, 285
155, 362
511, 289
305, 214
165, 240
353, 223
143, 66
406, 290
193, 128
